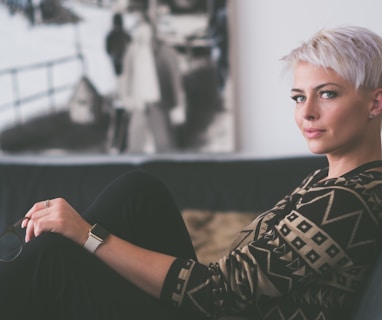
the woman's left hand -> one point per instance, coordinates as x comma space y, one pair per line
55, 215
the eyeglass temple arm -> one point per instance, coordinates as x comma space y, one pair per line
14, 226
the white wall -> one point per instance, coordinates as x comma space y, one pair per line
261, 33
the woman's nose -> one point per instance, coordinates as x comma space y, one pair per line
310, 110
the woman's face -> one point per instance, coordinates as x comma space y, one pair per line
332, 115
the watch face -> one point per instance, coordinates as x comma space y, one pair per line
100, 232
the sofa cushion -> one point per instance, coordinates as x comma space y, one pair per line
212, 232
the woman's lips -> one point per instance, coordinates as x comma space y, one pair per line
313, 133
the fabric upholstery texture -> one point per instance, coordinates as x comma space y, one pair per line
212, 232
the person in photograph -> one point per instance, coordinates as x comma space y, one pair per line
141, 84
117, 42
169, 113
129, 256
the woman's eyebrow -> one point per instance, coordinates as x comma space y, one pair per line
317, 87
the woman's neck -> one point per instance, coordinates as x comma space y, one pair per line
339, 167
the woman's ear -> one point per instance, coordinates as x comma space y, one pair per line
376, 108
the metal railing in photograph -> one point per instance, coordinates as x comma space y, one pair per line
18, 100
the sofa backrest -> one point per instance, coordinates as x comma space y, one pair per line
224, 184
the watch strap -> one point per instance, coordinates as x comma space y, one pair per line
97, 236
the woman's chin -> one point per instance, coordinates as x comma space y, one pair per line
316, 149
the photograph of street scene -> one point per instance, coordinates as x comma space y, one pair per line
115, 77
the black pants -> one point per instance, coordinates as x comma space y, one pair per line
54, 278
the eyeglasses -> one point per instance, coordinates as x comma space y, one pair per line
11, 242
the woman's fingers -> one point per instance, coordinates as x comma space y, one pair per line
38, 211
29, 233
55, 216
38, 206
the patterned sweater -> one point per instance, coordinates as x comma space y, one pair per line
306, 258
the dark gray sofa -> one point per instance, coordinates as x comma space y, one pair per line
218, 183
227, 186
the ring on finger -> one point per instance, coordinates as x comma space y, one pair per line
46, 203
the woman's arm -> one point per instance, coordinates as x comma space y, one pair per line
144, 268
328, 233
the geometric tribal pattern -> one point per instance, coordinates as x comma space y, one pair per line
303, 259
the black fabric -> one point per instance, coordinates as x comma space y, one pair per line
54, 278
223, 185
370, 306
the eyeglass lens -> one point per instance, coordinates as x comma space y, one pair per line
10, 246
11, 243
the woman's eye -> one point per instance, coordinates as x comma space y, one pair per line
299, 99
328, 94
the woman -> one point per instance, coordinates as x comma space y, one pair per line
142, 84
306, 258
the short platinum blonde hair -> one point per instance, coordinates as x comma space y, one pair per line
354, 53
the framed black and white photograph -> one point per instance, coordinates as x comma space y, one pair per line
115, 77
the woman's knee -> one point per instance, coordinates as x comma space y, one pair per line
143, 183
141, 194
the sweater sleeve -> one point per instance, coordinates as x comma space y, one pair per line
325, 240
